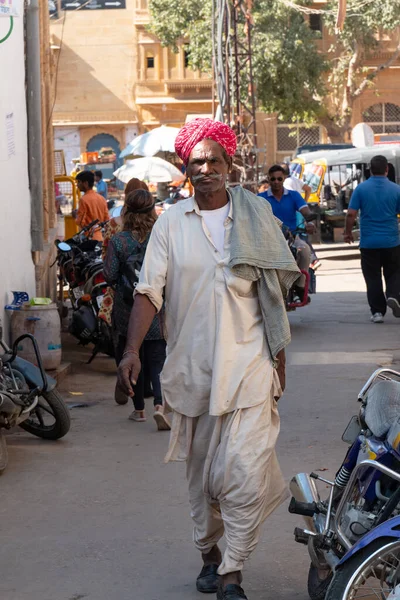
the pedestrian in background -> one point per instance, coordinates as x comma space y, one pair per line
92, 206
101, 186
123, 261
378, 201
114, 226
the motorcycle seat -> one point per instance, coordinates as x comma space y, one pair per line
94, 269
382, 406
89, 245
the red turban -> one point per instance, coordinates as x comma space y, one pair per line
201, 129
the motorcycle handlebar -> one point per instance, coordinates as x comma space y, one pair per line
92, 224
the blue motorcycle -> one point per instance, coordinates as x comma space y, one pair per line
353, 537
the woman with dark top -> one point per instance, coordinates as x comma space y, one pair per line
112, 227
124, 255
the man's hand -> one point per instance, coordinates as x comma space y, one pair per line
310, 228
128, 373
349, 224
281, 368
348, 238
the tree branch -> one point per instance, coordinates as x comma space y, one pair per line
374, 74
352, 67
348, 89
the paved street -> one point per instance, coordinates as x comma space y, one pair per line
98, 516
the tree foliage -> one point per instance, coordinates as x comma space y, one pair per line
174, 21
291, 77
286, 65
368, 28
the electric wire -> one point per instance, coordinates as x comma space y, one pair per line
57, 71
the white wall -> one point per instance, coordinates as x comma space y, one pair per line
16, 266
69, 140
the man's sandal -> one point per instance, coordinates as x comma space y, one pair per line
231, 592
208, 580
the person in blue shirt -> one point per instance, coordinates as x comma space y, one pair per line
101, 186
285, 205
378, 201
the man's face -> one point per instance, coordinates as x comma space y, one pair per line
208, 167
82, 185
276, 179
96, 178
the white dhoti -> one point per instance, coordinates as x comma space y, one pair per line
234, 477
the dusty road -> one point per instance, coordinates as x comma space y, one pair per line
98, 516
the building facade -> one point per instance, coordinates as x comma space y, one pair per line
115, 80
378, 105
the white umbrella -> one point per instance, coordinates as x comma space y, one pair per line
160, 139
152, 169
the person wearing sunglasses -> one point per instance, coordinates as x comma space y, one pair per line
285, 206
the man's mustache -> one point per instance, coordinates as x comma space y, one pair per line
216, 176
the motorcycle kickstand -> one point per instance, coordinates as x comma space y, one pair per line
94, 354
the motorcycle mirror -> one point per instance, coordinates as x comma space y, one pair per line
64, 247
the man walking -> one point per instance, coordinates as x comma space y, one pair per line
101, 186
285, 205
378, 201
92, 206
221, 262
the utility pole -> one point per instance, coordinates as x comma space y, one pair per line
234, 84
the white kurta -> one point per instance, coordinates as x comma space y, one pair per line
217, 354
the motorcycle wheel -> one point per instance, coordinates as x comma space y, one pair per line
51, 419
362, 575
317, 584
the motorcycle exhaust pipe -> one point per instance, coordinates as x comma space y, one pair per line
304, 490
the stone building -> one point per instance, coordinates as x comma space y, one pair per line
115, 80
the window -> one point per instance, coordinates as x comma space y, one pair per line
316, 22
291, 136
383, 117
187, 56
150, 62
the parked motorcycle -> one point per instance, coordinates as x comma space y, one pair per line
79, 262
28, 398
81, 267
353, 537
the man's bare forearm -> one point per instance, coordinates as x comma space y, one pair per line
142, 314
350, 220
281, 368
